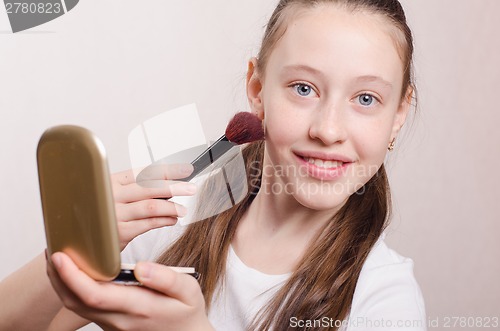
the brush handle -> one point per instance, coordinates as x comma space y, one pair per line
209, 156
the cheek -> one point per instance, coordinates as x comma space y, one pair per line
283, 125
371, 141
285, 121
277, 133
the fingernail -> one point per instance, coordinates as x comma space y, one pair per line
186, 169
56, 260
181, 210
191, 188
143, 271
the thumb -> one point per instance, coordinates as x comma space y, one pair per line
169, 282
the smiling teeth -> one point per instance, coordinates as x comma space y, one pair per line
324, 164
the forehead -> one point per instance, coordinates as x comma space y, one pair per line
336, 40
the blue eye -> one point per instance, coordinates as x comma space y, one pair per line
366, 100
303, 89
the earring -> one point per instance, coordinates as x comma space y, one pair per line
391, 145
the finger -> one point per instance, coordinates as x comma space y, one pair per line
68, 298
152, 190
73, 304
163, 279
123, 177
149, 209
130, 230
165, 171
90, 294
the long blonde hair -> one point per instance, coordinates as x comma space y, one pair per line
323, 283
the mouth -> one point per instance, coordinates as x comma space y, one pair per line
324, 166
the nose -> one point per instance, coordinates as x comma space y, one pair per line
328, 125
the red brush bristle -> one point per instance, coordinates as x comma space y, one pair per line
243, 128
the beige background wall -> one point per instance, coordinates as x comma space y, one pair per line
108, 65
446, 177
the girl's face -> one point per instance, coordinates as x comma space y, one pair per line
331, 101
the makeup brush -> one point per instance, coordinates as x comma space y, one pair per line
243, 128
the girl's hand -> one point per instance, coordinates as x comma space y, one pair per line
167, 301
139, 207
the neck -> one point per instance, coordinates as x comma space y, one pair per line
281, 214
276, 231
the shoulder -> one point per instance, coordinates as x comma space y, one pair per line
387, 292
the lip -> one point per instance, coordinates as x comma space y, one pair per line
326, 174
323, 156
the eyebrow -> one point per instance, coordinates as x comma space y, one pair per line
374, 79
301, 68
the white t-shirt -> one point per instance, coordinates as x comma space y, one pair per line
387, 296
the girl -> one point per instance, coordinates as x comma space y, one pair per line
304, 250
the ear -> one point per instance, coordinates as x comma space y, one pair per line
254, 89
402, 113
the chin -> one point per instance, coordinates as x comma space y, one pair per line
322, 202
